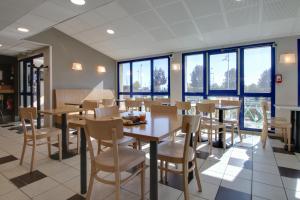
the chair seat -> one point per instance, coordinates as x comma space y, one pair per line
128, 158
173, 152
46, 132
279, 124
231, 121
215, 125
124, 141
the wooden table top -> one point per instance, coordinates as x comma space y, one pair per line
156, 128
222, 107
287, 107
58, 111
80, 103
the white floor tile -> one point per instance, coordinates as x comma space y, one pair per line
59, 193
266, 178
39, 187
291, 183
268, 191
15, 195
235, 183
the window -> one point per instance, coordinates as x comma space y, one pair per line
144, 78
124, 78
161, 75
223, 71
194, 73
257, 70
141, 76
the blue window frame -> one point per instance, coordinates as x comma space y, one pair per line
147, 77
252, 79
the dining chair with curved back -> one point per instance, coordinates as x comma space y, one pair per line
133, 104
33, 135
233, 122
277, 123
149, 103
108, 102
206, 110
183, 106
88, 106
112, 112
163, 100
159, 109
116, 159
181, 153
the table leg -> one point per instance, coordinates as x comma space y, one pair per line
153, 171
296, 131
190, 164
83, 166
65, 143
220, 143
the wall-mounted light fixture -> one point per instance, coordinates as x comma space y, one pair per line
101, 69
77, 66
287, 58
176, 66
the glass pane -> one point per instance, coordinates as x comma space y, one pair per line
253, 116
122, 104
257, 70
124, 77
194, 73
141, 76
193, 99
223, 71
160, 75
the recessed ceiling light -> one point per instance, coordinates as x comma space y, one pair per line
21, 29
238, 0
0, 45
78, 2
110, 31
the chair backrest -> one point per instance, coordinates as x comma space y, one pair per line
89, 105
28, 114
133, 104
205, 108
106, 111
214, 101
163, 100
181, 105
190, 125
233, 103
265, 108
159, 109
149, 103
108, 102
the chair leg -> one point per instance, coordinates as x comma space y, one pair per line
288, 132
99, 147
232, 134
60, 146
197, 176
239, 133
264, 135
166, 172
32, 157
78, 141
143, 181
49, 146
91, 183
224, 139
161, 171
118, 185
185, 182
23, 152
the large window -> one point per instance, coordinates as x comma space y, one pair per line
250, 80
144, 78
223, 71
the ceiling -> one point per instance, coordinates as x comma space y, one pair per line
148, 27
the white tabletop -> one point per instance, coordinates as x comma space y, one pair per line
286, 107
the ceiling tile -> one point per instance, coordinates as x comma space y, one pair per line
92, 18
242, 17
161, 34
111, 11
157, 3
201, 8
134, 6
73, 26
148, 20
184, 29
173, 13
34, 22
280, 9
53, 12
211, 23
277, 28
233, 4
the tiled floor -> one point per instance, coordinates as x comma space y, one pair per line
245, 171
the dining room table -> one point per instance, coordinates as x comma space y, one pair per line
221, 108
63, 112
154, 131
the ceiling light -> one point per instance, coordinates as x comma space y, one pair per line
238, 0
24, 30
0, 45
78, 2
110, 31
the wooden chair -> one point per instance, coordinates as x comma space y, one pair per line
108, 102
159, 109
275, 123
115, 160
181, 153
207, 122
183, 106
89, 107
112, 111
163, 100
133, 104
233, 122
149, 103
32, 137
